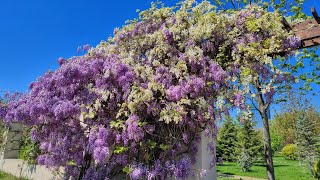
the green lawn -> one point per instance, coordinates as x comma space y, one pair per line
6, 176
284, 170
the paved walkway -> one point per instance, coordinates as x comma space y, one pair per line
238, 177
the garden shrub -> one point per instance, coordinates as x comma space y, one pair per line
289, 151
29, 150
135, 104
245, 161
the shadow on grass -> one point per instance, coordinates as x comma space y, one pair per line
263, 165
225, 177
225, 165
259, 161
228, 174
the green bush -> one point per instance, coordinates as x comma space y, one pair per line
29, 150
317, 169
289, 151
245, 162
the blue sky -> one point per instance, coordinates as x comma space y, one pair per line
35, 33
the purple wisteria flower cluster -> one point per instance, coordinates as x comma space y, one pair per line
134, 106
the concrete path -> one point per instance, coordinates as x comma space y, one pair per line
238, 177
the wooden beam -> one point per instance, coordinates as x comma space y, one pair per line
285, 23
309, 30
307, 24
311, 42
310, 33
315, 15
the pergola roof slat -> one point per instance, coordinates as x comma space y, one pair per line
311, 42
308, 31
305, 25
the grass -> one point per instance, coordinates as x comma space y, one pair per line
284, 170
6, 176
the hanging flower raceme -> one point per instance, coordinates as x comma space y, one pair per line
134, 105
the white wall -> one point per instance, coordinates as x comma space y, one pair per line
204, 158
19, 168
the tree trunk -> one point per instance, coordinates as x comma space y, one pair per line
262, 108
267, 146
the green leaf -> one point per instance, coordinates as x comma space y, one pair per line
152, 144
309, 80
303, 77
163, 147
116, 124
300, 64
120, 149
71, 163
127, 169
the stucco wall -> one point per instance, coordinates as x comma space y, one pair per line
19, 168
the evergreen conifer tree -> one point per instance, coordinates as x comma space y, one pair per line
307, 139
227, 140
249, 145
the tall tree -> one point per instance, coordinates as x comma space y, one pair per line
283, 126
308, 140
249, 142
227, 140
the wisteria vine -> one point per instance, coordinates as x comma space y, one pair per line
136, 104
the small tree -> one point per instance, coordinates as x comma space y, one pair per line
307, 139
249, 145
245, 161
277, 141
227, 139
283, 126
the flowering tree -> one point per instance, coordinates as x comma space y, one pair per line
136, 104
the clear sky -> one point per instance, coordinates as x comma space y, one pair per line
35, 33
